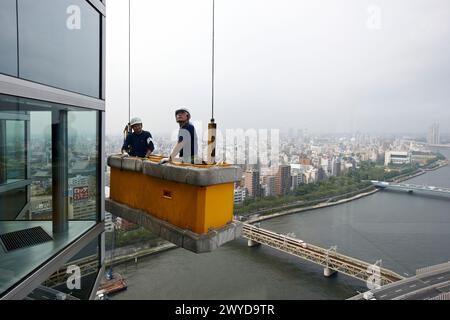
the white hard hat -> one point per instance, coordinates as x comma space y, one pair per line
182, 109
135, 120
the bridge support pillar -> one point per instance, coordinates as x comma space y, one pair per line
327, 272
252, 243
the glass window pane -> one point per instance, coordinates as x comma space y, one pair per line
59, 44
15, 150
83, 158
8, 37
41, 165
26, 123
12, 147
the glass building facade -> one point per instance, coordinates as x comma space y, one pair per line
52, 111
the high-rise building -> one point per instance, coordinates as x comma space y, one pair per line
296, 180
52, 115
239, 195
313, 175
252, 184
283, 180
336, 167
321, 174
433, 136
269, 182
397, 157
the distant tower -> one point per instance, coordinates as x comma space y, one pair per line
336, 166
433, 136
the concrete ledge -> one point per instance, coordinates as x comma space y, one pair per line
115, 162
198, 243
154, 170
214, 175
196, 176
132, 164
125, 163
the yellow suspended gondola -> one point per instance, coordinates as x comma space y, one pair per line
189, 205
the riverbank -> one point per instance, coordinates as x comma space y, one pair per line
410, 176
133, 253
314, 207
441, 164
345, 200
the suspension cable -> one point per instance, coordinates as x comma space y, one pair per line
129, 62
212, 126
212, 67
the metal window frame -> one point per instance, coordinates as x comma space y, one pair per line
14, 116
99, 6
23, 214
27, 89
98, 279
103, 58
28, 168
101, 166
3, 173
102, 160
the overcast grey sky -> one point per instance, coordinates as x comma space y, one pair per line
324, 65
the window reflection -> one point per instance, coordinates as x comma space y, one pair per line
83, 157
15, 150
12, 148
41, 165
59, 44
26, 160
8, 37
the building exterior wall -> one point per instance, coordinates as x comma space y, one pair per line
283, 180
397, 157
252, 183
52, 100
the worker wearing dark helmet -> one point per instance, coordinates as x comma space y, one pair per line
186, 146
139, 143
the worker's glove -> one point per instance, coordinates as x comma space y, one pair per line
124, 155
164, 161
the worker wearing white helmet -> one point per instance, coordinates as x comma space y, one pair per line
139, 143
186, 146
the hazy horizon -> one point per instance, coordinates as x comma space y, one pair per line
324, 66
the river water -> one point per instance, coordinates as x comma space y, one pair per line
406, 231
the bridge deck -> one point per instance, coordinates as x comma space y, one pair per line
325, 257
411, 187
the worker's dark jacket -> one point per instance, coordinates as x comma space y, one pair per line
188, 135
137, 145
